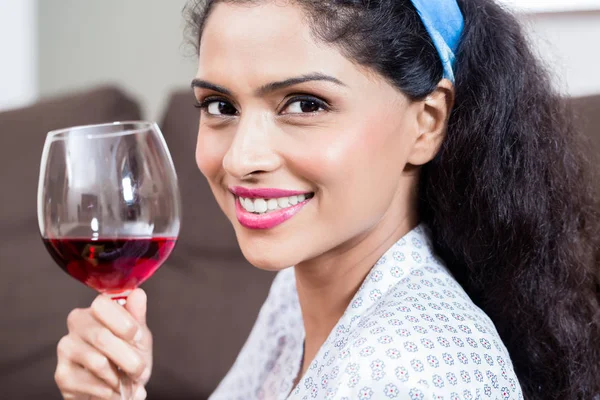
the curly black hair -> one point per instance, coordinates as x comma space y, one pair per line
510, 197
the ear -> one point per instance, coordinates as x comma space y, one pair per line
432, 121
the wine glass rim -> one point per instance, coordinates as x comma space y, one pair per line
140, 126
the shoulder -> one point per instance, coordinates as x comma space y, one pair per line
418, 362
424, 338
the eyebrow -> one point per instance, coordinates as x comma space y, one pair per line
273, 86
199, 83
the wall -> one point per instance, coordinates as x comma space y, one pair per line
18, 53
552, 5
137, 44
569, 44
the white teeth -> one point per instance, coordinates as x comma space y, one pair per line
272, 204
248, 204
283, 202
261, 206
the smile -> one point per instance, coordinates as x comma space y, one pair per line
262, 206
267, 208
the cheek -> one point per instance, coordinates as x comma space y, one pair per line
359, 173
210, 151
352, 156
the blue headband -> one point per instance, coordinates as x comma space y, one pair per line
444, 22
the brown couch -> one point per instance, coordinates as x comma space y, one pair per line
202, 302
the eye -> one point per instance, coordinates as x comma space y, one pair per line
217, 107
304, 105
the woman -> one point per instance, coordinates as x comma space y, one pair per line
395, 152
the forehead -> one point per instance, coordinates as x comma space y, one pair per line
270, 39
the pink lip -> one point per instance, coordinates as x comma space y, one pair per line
267, 220
263, 193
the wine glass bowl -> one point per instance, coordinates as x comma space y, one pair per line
108, 203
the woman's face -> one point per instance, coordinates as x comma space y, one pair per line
306, 152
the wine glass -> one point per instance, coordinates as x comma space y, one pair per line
109, 206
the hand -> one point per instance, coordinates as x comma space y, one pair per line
102, 338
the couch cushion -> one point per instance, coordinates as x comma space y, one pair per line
37, 296
587, 114
22, 135
204, 225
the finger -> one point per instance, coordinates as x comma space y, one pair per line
83, 324
117, 319
140, 393
137, 305
75, 382
121, 353
81, 353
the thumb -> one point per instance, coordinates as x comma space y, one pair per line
137, 305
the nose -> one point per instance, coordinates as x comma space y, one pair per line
251, 151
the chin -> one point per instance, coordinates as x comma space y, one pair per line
267, 255
264, 261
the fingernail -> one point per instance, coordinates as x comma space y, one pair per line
140, 394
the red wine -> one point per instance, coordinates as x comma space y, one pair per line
110, 266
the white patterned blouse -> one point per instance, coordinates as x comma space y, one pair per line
410, 332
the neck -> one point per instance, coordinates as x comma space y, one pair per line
327, 285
